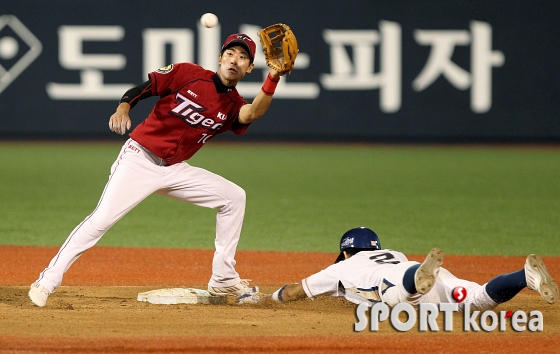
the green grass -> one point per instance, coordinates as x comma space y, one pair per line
465, 200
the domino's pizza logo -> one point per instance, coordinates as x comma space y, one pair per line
18, 49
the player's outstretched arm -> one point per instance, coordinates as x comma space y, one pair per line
255, 110
289, 292
120, 121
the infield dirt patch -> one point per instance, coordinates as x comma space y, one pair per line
96, 311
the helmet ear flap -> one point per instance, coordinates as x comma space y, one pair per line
340, 257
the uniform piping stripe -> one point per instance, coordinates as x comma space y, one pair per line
86, 219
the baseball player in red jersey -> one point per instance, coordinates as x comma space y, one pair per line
194, 105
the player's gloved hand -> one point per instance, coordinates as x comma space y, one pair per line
280, 47
275, 73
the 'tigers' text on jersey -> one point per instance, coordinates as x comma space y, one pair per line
189, 111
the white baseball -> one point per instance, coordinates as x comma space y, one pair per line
209, 20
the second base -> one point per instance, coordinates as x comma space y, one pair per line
173, 296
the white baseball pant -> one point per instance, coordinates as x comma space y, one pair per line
136, 174
442, 292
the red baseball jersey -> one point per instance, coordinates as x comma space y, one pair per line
193, 107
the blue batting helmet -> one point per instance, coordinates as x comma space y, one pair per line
360, 237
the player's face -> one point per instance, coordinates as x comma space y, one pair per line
234, 64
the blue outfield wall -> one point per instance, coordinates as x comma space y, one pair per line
436, 70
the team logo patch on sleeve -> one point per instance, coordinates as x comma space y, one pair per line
165, 69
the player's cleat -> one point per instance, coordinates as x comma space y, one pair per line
39, 294
426, 274
539, 279
239, 289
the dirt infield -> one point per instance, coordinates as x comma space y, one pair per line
96, 310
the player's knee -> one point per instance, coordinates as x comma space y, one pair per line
238, 196
233, 198
100, 222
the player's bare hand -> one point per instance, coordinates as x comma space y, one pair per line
120, 121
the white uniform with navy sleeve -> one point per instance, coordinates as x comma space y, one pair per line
368, 276
377, 276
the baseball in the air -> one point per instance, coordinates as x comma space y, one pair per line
209, 20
